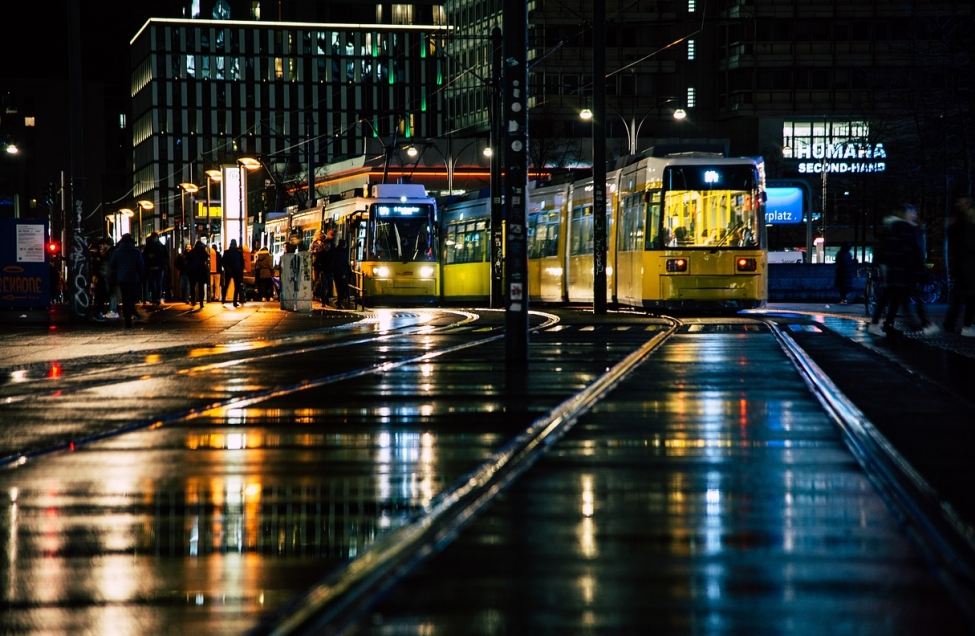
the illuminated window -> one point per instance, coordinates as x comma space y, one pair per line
691, 97
29, 122
123, 121
820, 139
402, 14
691, 6
690, 49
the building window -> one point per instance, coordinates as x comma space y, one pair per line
123, 121
691, 6
402, 14
690, 49
691, 97
822, 139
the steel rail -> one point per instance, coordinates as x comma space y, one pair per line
944, 538
339, 600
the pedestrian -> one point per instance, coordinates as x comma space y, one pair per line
317, 245
198, 266
100, 278
323, 264
902, 266
155, 256
183, 273
264, 267
845, 271
216, 273
341, 273
129, 268
961, 264
233, 269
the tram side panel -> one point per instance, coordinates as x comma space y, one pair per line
466, 253
547, 218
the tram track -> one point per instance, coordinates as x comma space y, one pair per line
421, 532
112, 376
337, 603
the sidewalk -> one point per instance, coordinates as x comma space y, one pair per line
39, 337
906, 323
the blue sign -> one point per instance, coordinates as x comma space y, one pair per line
24, 267
783, 205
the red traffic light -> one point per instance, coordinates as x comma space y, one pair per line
53, 248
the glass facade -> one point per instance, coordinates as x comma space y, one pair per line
207, 92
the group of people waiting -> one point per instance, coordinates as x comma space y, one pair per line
901, 257
206, 274
124, 274
330, 265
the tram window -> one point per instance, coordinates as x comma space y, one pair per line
466, 242
581, 231
631, 226
543, 234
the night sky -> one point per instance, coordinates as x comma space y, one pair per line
36, 40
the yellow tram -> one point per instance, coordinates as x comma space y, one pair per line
390, 235
683, 232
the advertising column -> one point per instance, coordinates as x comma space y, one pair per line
25, 279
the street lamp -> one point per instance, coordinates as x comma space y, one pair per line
186, 188
450, 160
633, 127
245, 165
213, 176
126, 212
143, 205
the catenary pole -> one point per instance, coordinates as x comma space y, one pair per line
515, 118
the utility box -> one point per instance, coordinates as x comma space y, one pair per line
296, 281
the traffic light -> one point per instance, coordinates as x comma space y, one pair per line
53, 249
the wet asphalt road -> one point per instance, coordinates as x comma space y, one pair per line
236, 485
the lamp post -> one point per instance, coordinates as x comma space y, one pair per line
143, 205
633, 127
213, 176
126, 212
186, 188
450, 161
245, 165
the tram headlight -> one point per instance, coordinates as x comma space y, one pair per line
380, 271
426, 272
676, 264
746, 264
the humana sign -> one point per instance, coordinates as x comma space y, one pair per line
842, 157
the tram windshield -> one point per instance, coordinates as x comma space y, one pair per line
707, 206
403, 232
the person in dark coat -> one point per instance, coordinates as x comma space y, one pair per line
198, 267
341, 273
846, 271
264, 270
322, 265
129, 268
157, 261
902, 265
961, 263
233, 270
